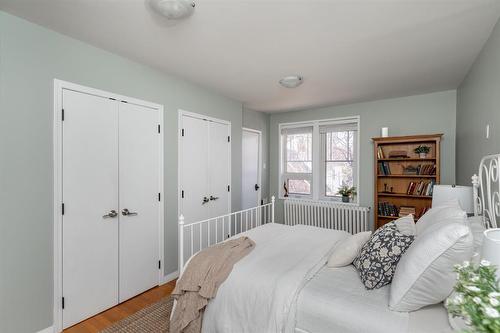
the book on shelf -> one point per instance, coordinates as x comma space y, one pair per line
423, 211
426, 169
406, 210
421, 188
387, 209
384, 168
380, 153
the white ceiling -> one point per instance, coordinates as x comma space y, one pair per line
347, 50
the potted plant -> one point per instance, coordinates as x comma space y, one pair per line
346, 192
422, 151
476, 299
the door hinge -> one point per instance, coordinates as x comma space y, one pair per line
228, 188
182, 194
158, 128
62, 303
228, 139
62, 115
62, 208
159, 264
159, 196
182, 134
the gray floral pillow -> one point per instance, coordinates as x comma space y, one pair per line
379, 257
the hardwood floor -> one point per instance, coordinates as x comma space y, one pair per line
121, 311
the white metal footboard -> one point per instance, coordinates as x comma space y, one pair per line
196, 236
486, 190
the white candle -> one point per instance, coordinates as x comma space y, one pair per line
385, 132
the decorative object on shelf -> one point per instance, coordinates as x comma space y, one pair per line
491, 248
398, 154
346, 192
477, 297
463, 194
384, 131
422, 151
285, 188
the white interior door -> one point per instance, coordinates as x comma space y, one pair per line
90, 191
250, 196
194, 173
139, 174
219, 166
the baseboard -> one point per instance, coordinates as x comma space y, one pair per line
47, 330
168, 278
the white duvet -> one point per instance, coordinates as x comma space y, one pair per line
260, 293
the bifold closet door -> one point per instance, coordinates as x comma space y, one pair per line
139, 175
90, 196
219, 168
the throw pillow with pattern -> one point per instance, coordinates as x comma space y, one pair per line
377, 261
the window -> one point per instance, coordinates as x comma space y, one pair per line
319, 157
297, 157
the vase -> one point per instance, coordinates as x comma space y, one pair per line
423, 155
345, 198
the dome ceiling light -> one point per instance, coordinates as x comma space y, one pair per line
173, 9
291, 81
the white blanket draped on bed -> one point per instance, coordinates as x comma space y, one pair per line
260, 293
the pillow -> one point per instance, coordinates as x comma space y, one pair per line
477, 228
348, 249
406, 225
378, 258
439, 214
425, 274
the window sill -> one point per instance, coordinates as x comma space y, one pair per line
321, 200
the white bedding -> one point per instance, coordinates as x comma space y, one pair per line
261, 292
335, 300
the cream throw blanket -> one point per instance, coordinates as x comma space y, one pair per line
206, 271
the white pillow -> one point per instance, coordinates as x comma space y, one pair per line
438, 214
406, 225
345, 252
425, 275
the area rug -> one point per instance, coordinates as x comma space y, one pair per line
153, 319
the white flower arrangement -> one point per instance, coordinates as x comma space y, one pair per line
477, 297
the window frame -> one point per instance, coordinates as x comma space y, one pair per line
318, 182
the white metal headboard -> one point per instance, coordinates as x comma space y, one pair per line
486, 190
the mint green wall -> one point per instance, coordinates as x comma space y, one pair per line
478, 104
30, 58
422, 114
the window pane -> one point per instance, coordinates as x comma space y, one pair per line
299, 147
299, 186
299, 167
339, 146
338, 174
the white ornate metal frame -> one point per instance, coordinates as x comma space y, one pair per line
486, 191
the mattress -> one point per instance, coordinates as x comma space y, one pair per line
335, 300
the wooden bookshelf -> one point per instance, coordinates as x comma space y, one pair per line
393, 175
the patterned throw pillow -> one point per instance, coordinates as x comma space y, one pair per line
379, 257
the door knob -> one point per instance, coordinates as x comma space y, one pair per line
205, 200
112, 213
126, 212
213, 198
257, 187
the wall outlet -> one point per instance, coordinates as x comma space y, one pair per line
487, 131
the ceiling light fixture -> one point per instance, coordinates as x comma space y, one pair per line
291, 81
173, 9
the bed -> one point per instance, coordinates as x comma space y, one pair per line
283, 285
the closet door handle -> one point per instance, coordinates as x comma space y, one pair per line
213, 198
205, 200
112, 213
126, 212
